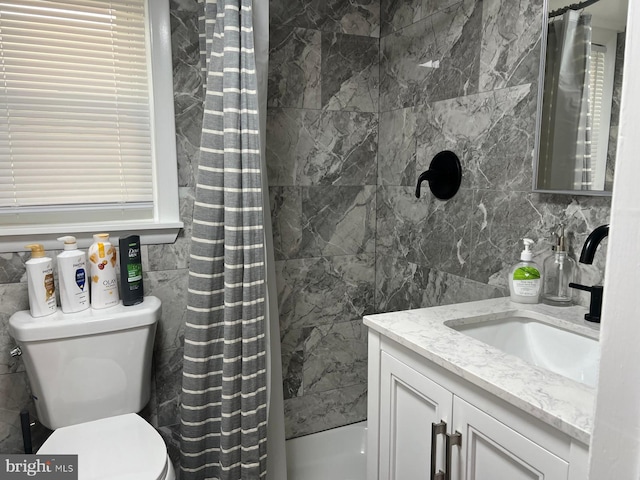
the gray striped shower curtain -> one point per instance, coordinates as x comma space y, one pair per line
224, 393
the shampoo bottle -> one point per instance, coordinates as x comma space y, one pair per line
130, 270
42, 289
525, 282
102, 265
72, 277
558, 270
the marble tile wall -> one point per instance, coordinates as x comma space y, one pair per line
322, 143
479, 102
165, 266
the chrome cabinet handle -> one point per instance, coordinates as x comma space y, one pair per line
454, 440
439, 428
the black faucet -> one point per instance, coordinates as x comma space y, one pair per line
586, 256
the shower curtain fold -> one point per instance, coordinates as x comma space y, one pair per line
224, 395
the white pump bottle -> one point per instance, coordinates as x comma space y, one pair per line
73, 277
525, 280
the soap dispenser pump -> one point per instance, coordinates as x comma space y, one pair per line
525, 280
558, 271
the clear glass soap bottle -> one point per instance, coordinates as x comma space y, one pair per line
558, 271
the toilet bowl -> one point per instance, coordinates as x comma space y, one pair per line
90, 372
125, 447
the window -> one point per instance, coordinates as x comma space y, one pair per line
87, 139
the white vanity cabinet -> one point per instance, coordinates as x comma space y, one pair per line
409, 396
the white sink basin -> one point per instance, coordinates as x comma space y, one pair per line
561, 351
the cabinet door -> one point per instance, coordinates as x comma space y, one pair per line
491, 450
409, 403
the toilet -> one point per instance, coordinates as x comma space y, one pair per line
90, 372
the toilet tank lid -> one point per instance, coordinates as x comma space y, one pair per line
25, 328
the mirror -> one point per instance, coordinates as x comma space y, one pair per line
579, 104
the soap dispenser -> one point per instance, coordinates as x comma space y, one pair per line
558, 271
525, 282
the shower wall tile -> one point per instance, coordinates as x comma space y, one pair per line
286, 219
322, 411
324, 290
338, 221
402, 285
12, 267
175, 256
425, 231
510, 53
170, 286
335, 356
397, 14
312, 147
495, 148
397, 147
168, 378
451, 37
16, 395
350, 75
292, 351
294, 67
357, 17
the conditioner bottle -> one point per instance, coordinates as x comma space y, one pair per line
72, 277
102, 265
525, 281
42, 289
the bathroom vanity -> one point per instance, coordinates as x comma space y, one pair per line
480, 390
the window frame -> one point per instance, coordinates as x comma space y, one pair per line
166, 223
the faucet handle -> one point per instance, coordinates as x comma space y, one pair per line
595, 306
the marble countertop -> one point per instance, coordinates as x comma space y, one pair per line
556, 400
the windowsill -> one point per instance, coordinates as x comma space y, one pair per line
14, 239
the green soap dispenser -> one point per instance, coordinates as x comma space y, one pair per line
525, 280
558, 271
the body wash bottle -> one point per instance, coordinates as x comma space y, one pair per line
102, 265
72, 277
525, 282
131, 270
558, 271
42, 289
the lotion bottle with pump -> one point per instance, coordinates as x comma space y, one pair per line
72, 277
558, 271
102, 266
525, 280
42, 289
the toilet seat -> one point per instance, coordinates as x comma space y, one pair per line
124, 447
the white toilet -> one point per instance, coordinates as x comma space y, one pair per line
90, 372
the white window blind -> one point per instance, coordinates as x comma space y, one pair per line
75, 124
596, 94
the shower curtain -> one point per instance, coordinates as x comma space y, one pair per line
565, 144
225, 393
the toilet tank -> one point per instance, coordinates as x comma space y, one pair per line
88, 365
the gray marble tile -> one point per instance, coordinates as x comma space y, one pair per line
451, 38
294, 67
357, 17
13, 298
335, 356
310, 147
350, 74
12, 268
510, 53
324, 290
175, 255
322, 411
495, 148
187, 88
397, 147
338, 221
403, 285
429, 7
397, 14
286, 218
292, 353
425, 231
170, 287
168, 377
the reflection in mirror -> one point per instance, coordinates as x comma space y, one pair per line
583, 65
